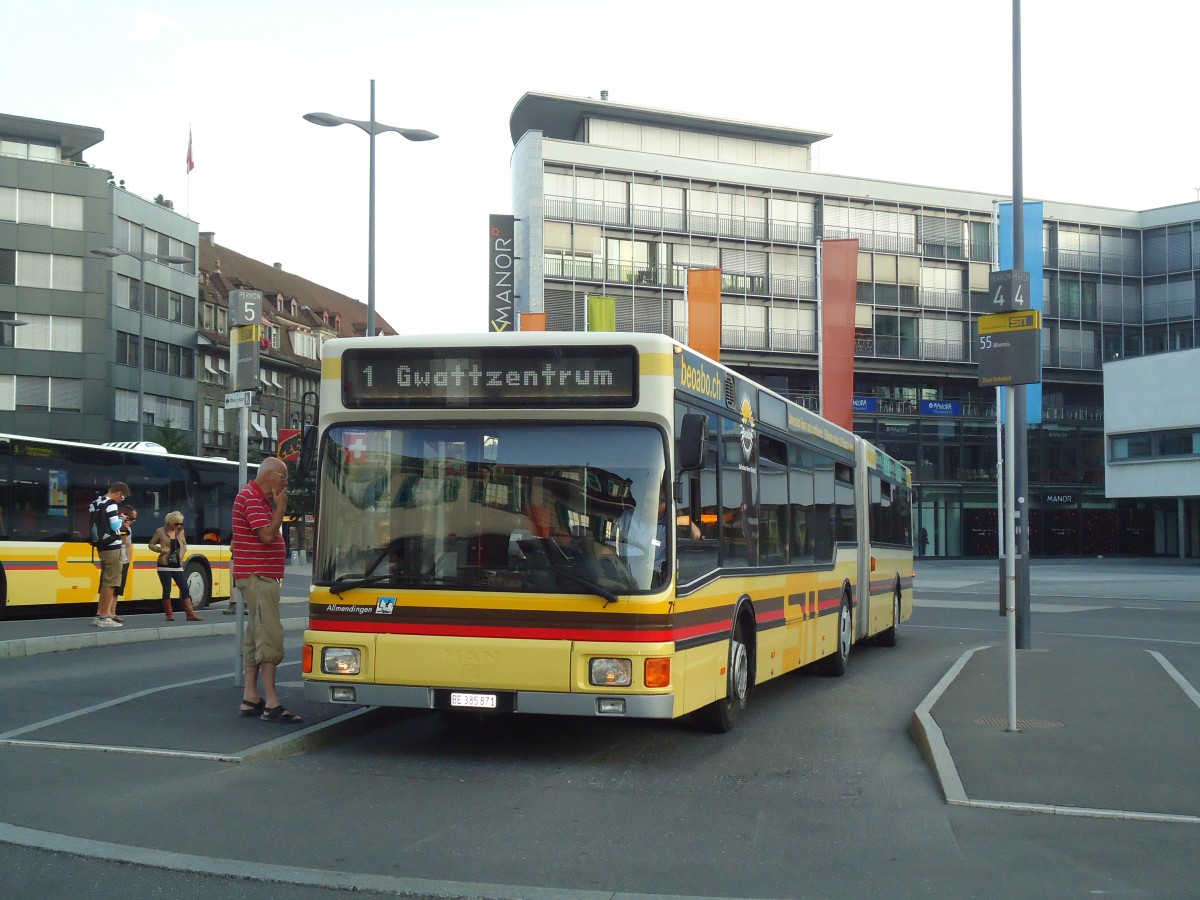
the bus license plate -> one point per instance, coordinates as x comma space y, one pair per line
476, 701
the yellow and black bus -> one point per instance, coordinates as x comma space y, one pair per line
587, 524
46, 486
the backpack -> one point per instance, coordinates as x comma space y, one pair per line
98, 527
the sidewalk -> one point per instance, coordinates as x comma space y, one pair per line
1102, 733
29, 637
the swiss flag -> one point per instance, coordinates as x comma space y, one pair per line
356, 447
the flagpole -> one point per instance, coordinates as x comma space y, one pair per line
190, 166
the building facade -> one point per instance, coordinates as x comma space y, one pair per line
111, 304
74, 247
1153, 444
298, 316
620, 201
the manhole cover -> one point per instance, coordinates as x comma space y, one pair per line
1022, 724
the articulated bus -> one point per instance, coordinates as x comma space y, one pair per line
46, 486
587, 524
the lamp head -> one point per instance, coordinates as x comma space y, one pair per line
325, 119
110, 252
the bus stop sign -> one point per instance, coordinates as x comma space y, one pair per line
1009, 348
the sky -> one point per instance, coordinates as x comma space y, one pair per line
917, 92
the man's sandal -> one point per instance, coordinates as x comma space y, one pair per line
252, 709
281, 715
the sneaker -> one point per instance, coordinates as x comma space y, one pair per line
118, 620
98, 622
110, 623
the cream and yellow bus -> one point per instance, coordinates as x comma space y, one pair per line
46, 486
587, 524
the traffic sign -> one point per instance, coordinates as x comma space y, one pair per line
1009, 348
1008, 290
239, 400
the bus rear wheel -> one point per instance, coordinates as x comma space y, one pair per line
835, 664
199, 584
722, 715
890, 636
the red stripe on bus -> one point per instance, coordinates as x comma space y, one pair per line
534, 633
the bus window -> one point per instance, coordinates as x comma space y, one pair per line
773, 529
800, 496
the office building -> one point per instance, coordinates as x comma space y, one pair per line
72, 326
620, 201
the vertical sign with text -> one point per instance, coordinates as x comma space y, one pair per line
501, 255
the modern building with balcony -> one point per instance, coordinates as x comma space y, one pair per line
620, 201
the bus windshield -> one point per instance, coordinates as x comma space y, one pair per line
568, 508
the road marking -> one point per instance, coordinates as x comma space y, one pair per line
1177, 678
994, 605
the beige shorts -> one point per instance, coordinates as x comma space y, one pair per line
110, 567
263, 638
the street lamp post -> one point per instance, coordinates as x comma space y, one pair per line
372, 128
141, 256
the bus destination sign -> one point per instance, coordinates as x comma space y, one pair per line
489, 377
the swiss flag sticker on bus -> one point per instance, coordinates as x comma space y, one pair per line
356, 447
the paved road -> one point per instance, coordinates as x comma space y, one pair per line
820, 792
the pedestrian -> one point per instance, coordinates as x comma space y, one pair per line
128, 517
170, 544
259, 555
105, 527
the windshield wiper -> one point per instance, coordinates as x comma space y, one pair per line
349, 582
563, 565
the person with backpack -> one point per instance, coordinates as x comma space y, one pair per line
106, 538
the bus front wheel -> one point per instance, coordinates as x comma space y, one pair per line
722, 715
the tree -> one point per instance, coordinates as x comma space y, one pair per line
176, 440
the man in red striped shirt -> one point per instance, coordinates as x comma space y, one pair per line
259, 554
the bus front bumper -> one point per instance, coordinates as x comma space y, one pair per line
629, 706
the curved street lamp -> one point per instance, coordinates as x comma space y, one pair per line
142, 257
372, 128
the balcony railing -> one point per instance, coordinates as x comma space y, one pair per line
753, 337
890, 347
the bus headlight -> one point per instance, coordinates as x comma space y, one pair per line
341, 661
606, 672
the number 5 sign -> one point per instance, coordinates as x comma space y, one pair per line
246, 307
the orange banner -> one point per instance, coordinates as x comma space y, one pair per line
704, 312
839, 286
533, 321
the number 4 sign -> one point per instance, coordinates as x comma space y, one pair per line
1008, 291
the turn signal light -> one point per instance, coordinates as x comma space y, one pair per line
307, 659
658, 672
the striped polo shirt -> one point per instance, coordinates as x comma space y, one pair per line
251, 511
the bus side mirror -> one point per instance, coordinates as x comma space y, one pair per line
308, 451
691, 449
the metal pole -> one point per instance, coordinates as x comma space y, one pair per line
141, 374
371, 226
1010, 567
1020, 417
239, 677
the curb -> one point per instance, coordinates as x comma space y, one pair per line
57, 643
932, 743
